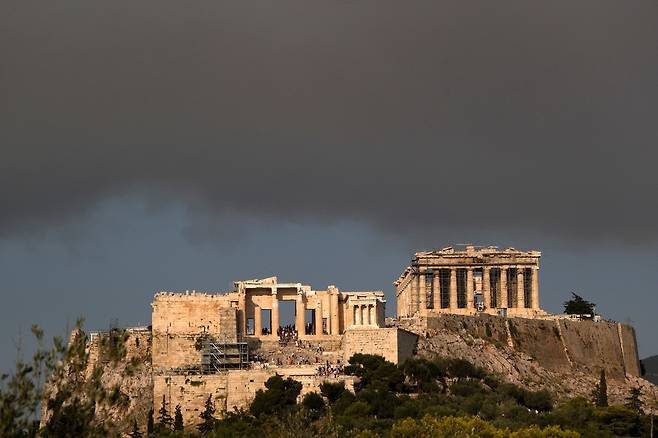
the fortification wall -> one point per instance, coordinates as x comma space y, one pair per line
394, 344
629, 347
190, 313
174, 351
191, 393
232, 389
179, 322
555, 344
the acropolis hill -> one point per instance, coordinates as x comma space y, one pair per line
477, 303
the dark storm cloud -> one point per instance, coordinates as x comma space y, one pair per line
539, 116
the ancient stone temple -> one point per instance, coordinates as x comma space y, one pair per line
470, 280
251, 311
228, 344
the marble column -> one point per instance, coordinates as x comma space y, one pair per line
274, 317
357, 315
453, 288
436, 287
258, 324
335, 324
318, 318
519, 288
299, 315
535, 287
502, 295
422, 294
469, 288
373, 315
486, 289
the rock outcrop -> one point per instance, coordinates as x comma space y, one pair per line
563, 356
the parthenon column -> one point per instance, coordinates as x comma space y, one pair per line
486, 290
300, 317
502, 296
436, 287
333, 298
275, 312
318, 318
422, 294
453, 288
357, 314
469, 288
535, 287
520, 292
258, 325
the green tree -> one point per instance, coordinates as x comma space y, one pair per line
178, 418
332, 391
135, 433
633, 400
207, 417
149, 424
164, 419
375, 372
278, 396
314, 405
577, 305
313, 401
601, 391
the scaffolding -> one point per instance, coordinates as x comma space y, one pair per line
222, 355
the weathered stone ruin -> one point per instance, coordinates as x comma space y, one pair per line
469, 281
228, 344
481, 304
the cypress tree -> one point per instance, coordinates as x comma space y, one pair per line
135, 432
178, 419
149, 424
163, 415
207, 417
633, 400
602, 391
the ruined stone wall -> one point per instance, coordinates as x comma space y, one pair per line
406, 345
173, 351
189, 313
393, 344
629, 347
191, 393
556, 344
232, 389
593, 345
179, 322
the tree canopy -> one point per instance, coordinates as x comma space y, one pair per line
577, 305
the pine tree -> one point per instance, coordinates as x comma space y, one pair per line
149, 424
178, 419
601, 391
135, 432
207, 417
577, 305
633, 400
164, 419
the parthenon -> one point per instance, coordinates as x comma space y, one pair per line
470, 280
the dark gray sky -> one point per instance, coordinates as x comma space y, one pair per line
153, 145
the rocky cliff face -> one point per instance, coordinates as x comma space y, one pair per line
122, 362
565, 357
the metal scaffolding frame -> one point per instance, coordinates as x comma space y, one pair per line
222, 355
